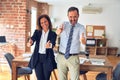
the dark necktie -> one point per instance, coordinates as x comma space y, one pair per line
67, 53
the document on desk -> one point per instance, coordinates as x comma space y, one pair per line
27, 59
82, 60
3, 43
97, 61
26, 55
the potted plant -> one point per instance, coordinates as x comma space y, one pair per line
101, 43
103, 35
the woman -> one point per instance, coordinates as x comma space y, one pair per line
43, 60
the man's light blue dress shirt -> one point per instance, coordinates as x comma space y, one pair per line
75, 44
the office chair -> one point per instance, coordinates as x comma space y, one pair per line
116, 74
21, 71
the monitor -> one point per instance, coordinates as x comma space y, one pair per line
2, 39
90, 42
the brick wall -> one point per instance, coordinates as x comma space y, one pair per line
15, 22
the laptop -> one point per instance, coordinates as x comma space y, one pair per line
2, 39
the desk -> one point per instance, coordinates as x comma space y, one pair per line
3, 45
19, 62
107, 67
4, 48
8, 47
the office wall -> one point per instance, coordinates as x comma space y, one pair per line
109, 17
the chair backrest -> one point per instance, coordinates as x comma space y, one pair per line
116, 72
9, 57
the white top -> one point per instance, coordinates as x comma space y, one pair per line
43, 42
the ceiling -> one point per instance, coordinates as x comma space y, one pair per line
79, 2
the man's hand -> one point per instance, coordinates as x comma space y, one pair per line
83, 39
59, 30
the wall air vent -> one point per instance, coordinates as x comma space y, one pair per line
89, 9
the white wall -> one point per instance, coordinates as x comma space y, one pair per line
109, 17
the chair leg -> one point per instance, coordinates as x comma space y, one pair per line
27, 77
84, 77
54, 74
51, 77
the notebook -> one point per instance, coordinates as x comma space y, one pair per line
2, 39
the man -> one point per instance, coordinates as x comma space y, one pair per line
72, 34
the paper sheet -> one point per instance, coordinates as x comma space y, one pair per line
98, 32
97, 60
93, 61
82, 60
27, 59
97, 63
89, 34
89, 28
27, 55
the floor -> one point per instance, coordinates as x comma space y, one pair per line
5, 71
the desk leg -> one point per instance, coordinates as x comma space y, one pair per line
14, 71
109, 74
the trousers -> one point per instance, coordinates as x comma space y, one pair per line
64, 65
41, 69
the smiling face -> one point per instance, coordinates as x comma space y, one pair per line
73, 17
44, 24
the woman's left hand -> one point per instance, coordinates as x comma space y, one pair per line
49, 44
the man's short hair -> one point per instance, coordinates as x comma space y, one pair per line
73, 9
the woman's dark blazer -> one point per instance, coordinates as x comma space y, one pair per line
50, 59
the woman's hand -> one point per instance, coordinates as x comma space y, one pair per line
30, 42
48, 44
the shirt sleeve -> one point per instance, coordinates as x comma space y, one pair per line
82, 30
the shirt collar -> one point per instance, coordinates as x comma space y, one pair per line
44, 32
72, 25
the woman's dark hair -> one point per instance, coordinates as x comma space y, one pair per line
73, 9
49, 21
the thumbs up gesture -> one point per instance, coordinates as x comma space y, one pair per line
82, 39
29, 43
49, 44
59, 30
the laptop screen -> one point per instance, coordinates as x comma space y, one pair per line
2, 39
